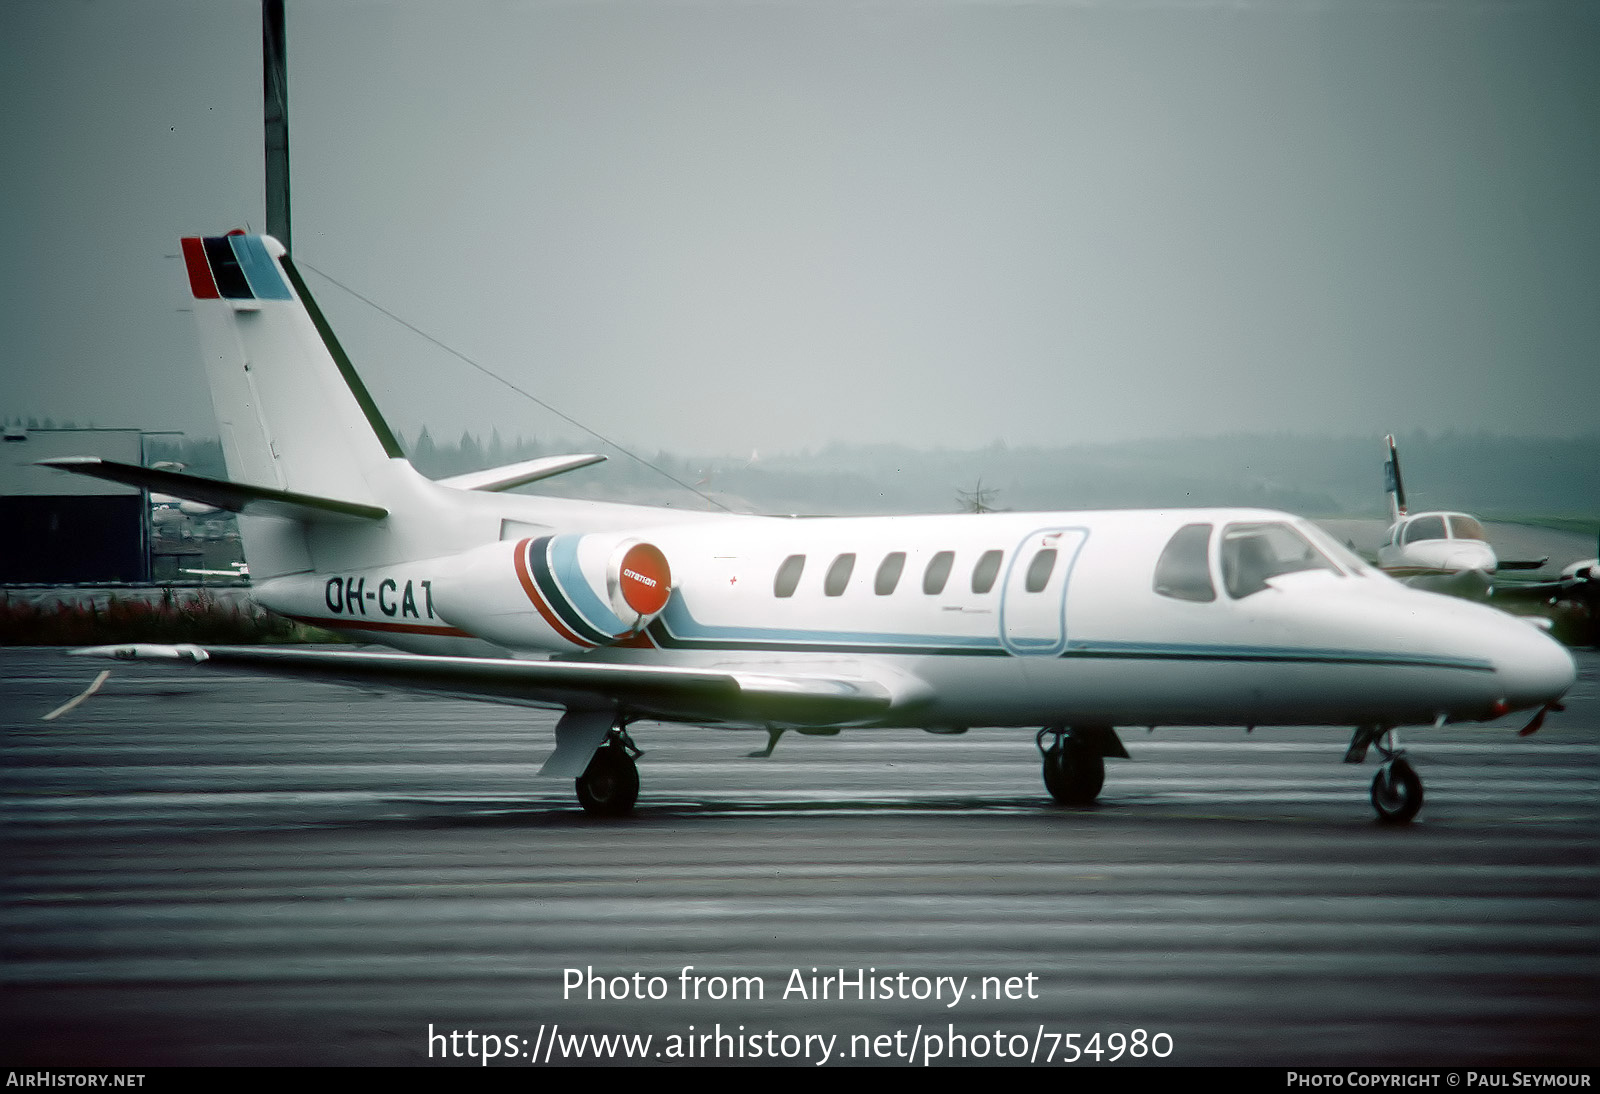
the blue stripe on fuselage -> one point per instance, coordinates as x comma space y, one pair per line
577, 591
678, 629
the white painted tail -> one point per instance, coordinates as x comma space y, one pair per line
292, 412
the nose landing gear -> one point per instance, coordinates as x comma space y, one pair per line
1397, 788
1396, 792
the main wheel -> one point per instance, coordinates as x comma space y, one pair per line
1074, 773
1396, 792
609, 786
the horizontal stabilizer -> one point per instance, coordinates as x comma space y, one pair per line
235, 497
1523, 563
519, 474
681, 694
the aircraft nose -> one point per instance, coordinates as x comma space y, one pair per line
1533, 668
1472, 556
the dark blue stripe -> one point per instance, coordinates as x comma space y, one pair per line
225, 269
539, 567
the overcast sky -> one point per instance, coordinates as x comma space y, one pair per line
716, 227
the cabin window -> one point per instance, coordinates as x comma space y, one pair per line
937, 573
1426, 528
984, 573
1253, 553
788, 575
1039, 570
839, 574
889, 571
1464, 527
1184, 569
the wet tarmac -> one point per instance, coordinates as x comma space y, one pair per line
205, 870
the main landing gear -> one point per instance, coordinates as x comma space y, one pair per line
1074, 763
1397, 788
609, 786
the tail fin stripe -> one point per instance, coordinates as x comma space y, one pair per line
225, 269
258, 268
200, 283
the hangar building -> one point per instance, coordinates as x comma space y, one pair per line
60, 528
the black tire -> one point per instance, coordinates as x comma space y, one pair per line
1396, 793
609, 786
1074, 773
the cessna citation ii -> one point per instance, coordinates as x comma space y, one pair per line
1441, 552
1076, 622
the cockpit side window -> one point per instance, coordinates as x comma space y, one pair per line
1253, 553
1426, 528
1184, 570
1464, 527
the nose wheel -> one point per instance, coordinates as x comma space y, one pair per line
1396, 792
1396, 788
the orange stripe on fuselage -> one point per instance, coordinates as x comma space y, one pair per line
375, 625
520, 558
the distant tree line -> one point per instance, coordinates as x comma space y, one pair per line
1493, 476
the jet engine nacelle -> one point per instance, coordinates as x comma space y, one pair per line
561, 593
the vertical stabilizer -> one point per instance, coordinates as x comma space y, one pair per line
292, 412
1393, 484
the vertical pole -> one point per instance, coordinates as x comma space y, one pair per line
146, 537
275, 119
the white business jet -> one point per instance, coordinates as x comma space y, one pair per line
1438, 551
1075, 622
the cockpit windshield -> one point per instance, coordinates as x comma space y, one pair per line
1343, 557
1254, 553
1464, 527
1429, 527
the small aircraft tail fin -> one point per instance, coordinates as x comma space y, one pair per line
1393, 484
293, 414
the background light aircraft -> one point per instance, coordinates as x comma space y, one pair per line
1439, 551
1075, 622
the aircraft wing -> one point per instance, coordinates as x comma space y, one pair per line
519, 474
1530, 590
706, 696
235, 497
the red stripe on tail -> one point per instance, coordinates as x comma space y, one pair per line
200, 280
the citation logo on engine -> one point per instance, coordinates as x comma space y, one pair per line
646, 579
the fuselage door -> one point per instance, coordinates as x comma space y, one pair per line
1033, 603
